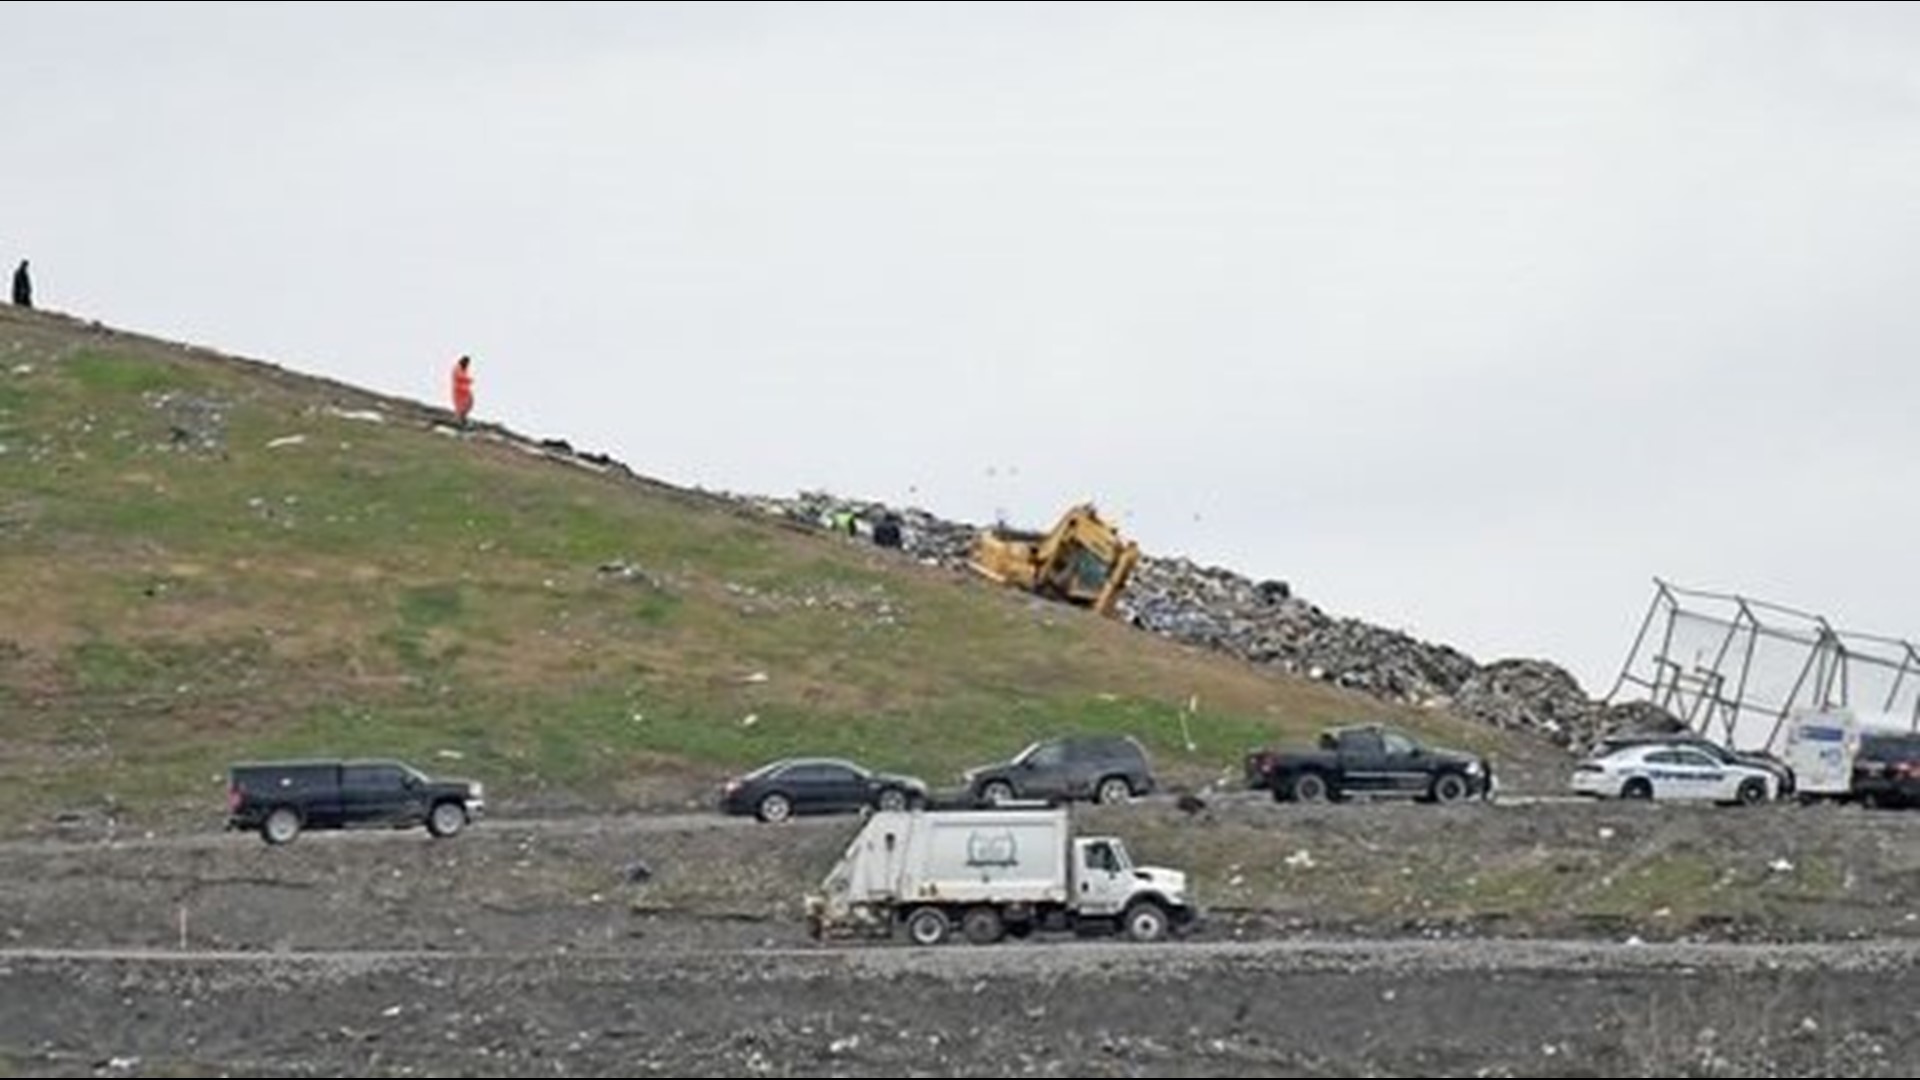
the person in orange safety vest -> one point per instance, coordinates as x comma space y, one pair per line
463, 389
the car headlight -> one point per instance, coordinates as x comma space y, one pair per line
1475, 768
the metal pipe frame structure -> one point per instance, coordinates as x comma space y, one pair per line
1716, 696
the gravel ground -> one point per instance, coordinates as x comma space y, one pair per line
672, 945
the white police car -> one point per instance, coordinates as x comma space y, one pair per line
1669, 771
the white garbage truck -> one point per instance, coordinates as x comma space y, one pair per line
992, 873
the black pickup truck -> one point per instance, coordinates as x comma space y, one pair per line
1370, 759
280, 798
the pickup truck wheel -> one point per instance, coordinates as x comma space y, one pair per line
774, 807
893, 799
1449, 788
1753, 791
983, 926
928, 926
1311, 787
996, 792
1146, 921
1114, 789
446, 819
281, 826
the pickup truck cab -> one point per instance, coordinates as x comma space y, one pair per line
281, 798
1370, 759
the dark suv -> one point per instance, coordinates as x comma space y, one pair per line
1104, 768
1886, 770
280, 798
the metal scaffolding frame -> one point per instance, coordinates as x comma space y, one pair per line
1756, 663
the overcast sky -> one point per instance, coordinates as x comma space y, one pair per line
1465, 319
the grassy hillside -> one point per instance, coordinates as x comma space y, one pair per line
204, 559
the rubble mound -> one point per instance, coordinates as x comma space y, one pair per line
1264, 622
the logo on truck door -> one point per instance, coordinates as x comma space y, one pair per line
992, 849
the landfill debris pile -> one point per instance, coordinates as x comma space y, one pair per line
1263, 622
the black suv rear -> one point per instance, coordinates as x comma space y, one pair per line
280, 798
1886, 770
1103, 768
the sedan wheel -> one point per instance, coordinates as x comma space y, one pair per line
775, 807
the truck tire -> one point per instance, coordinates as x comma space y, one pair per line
446, 819
1449, 787
1311, 787
1113, 789
774, 807
281, 825
893, 799
928, 926
983, 926
995, 792
1145, 921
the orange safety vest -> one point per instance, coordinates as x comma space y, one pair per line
462, 389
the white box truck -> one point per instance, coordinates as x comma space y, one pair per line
992, 873
1823, 743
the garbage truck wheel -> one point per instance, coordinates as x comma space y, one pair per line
928, 926
983, 926
1146, 921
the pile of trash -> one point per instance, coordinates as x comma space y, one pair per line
1263, 622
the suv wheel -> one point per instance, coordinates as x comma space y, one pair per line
995, 792
1449, 788
1114, 789
281, 826
446, 819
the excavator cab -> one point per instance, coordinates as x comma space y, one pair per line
1082, 560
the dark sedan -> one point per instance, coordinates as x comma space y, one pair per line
778, 790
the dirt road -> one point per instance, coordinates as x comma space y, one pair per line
1341, 941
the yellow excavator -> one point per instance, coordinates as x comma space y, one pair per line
1082, 560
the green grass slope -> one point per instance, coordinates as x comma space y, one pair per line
205, 559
